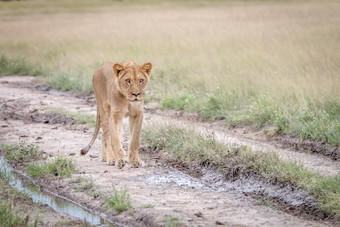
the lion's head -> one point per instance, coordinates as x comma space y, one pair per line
132, 79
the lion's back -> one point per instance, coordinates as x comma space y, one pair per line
102, 81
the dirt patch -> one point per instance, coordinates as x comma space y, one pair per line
13, 109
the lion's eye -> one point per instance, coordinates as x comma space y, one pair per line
141, 81
128, 81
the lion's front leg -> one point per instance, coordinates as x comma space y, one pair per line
135, 123
118, 153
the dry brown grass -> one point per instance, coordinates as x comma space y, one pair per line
287, 51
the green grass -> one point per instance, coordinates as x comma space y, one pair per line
171, 221
82, 184
22, 153
318, 123
7, 218
119, 200
70, 83
147, 205
59, 166
264, 202
10, 204
188, 145
18, 66
96, 194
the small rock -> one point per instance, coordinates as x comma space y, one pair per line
106, 171
219, 223
39, 138
93, 156
71, 154
199, 214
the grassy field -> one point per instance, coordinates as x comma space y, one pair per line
252, 63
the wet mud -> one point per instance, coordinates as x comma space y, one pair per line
35, 116
201, 196
13, 109
194, 176
308, 146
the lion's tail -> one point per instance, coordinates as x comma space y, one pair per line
88, 147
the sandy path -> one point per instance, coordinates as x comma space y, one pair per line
168, 190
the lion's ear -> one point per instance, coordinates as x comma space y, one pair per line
147, 67
117, 68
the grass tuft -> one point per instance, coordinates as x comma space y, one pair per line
119, 200
264, 202
328, 191
171, 221
22, 153
83, 184
188, 145
59, 166
7, 218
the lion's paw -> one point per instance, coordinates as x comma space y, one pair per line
120, 163
110, 162
136, 164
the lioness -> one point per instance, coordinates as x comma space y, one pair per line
119, 91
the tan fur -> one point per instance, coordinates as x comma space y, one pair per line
119, 91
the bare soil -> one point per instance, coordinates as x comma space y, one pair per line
197, 196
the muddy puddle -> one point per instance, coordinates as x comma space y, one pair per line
282, 195
57, 203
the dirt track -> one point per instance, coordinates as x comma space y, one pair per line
195, 200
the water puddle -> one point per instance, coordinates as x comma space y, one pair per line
61, 205
175, 178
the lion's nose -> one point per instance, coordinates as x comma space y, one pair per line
136, 94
